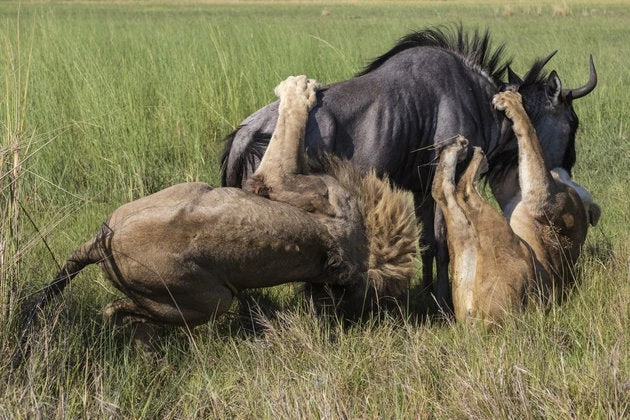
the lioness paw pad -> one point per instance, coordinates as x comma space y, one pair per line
506, 100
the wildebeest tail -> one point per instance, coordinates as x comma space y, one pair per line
241, 156
88, 253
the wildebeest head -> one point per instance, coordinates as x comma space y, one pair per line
550, 108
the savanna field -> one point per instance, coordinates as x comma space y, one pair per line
104, 102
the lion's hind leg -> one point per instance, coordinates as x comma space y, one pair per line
467, 193
125, 313
443, 189
502, 262
461, 237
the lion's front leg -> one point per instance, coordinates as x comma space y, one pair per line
535, 181
286, 155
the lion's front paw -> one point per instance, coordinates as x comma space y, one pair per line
298, 89
311, 88
508, 101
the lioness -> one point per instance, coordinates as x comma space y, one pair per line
500, 261
182, 254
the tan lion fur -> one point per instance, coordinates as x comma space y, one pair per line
499, 265
182, 254
389, 227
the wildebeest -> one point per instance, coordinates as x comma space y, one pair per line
431, 86
182, 254
500, 264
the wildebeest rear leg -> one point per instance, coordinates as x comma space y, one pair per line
442, 284
425, 212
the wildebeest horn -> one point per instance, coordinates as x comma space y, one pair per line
543, 63
546, 60
570, 94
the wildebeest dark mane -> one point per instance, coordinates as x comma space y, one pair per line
475, 49
535, 75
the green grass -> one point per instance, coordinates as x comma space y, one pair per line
110, 101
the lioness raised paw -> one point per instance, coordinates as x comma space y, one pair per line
296, 88
509, 101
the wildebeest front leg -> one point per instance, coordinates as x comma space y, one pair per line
425, 208
442, 284
433, 249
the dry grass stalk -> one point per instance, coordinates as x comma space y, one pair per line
16, 94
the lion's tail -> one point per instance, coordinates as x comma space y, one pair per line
90, 252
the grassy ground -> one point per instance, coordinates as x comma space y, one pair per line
103, 102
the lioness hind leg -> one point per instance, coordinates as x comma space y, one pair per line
467, 195
460, 234
125, 313
443, 186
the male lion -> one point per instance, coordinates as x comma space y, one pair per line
497, 263
182, 254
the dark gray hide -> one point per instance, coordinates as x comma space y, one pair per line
432, 86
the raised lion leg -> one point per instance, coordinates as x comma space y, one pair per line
286, 155
535, 180
460, 234
503, 262
283, 173
467, 194
443, 189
